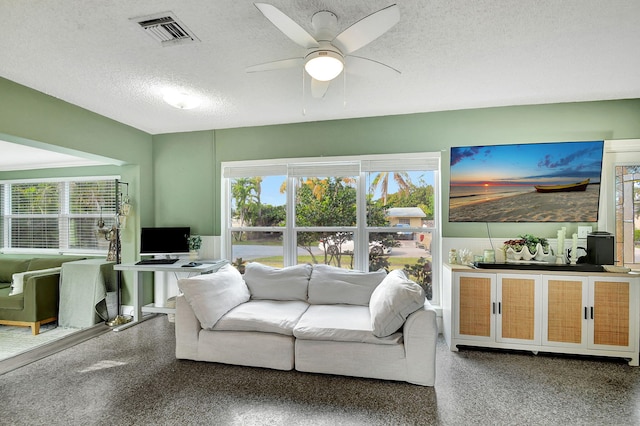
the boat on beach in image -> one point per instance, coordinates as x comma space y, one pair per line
569, 187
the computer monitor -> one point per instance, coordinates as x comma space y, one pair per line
164, 241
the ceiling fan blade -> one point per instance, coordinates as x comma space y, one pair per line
365, 66
367, 29
287, 25
319, 88
276, 65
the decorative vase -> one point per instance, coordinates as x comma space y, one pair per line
523, 254
540, 253
194, 254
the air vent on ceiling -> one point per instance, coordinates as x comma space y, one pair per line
165, 28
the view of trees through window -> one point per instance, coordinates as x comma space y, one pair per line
326, 225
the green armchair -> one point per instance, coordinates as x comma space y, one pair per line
39, 301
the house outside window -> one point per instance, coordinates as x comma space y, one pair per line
56, 215
339, 212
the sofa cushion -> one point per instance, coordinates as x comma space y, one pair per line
392, 301
213, 295
14, 303
38, 263
8, 267
331, 285
343, 323
268, 316
266, 282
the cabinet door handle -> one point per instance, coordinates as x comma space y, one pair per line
585, 313
494, 308
500, 308
592, 312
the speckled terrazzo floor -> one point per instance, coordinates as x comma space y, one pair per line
132, 378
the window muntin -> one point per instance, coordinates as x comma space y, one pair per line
58, 214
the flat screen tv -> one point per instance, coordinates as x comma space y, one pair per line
164, 241
538, 182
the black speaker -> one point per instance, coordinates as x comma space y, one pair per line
600, 248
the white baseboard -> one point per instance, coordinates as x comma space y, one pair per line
126, 310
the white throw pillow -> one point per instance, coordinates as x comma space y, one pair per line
213, 295
393, 301
17, 284
266, 282
330, 285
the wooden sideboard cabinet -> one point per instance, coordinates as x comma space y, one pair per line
589, 314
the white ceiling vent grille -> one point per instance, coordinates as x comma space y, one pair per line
165, 28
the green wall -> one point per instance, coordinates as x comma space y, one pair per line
184, 181
436, 131
175, 178
32, 118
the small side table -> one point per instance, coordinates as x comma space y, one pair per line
83, 292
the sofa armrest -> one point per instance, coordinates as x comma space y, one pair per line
420, 333
41, 295
187, 330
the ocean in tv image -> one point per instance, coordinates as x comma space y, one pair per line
539, 182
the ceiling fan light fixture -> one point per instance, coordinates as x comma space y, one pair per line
324, 65
181, 100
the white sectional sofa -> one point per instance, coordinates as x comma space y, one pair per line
318, 319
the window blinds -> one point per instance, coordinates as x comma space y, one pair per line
57, 214
88, 202
338, 166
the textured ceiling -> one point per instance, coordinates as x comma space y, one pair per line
453, 54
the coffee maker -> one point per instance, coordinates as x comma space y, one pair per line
600, 248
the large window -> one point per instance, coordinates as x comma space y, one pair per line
362, 213
58, 215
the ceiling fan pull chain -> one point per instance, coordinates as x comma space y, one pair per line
344, 89
304, 110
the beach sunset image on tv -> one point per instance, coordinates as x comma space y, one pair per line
539, 182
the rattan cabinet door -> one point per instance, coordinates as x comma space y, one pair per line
565, 312
611, 324
474, 299
519, 310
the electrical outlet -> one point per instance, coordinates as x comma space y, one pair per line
583, 231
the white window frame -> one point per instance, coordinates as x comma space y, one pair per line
334, 166
64, 216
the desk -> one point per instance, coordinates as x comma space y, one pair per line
158, 307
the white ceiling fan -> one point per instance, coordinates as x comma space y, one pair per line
326, 52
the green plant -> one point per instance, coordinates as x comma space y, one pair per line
195, 242
239, 264
528, 240
421, 272
378, 261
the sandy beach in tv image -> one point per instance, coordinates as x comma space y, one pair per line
540, 182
